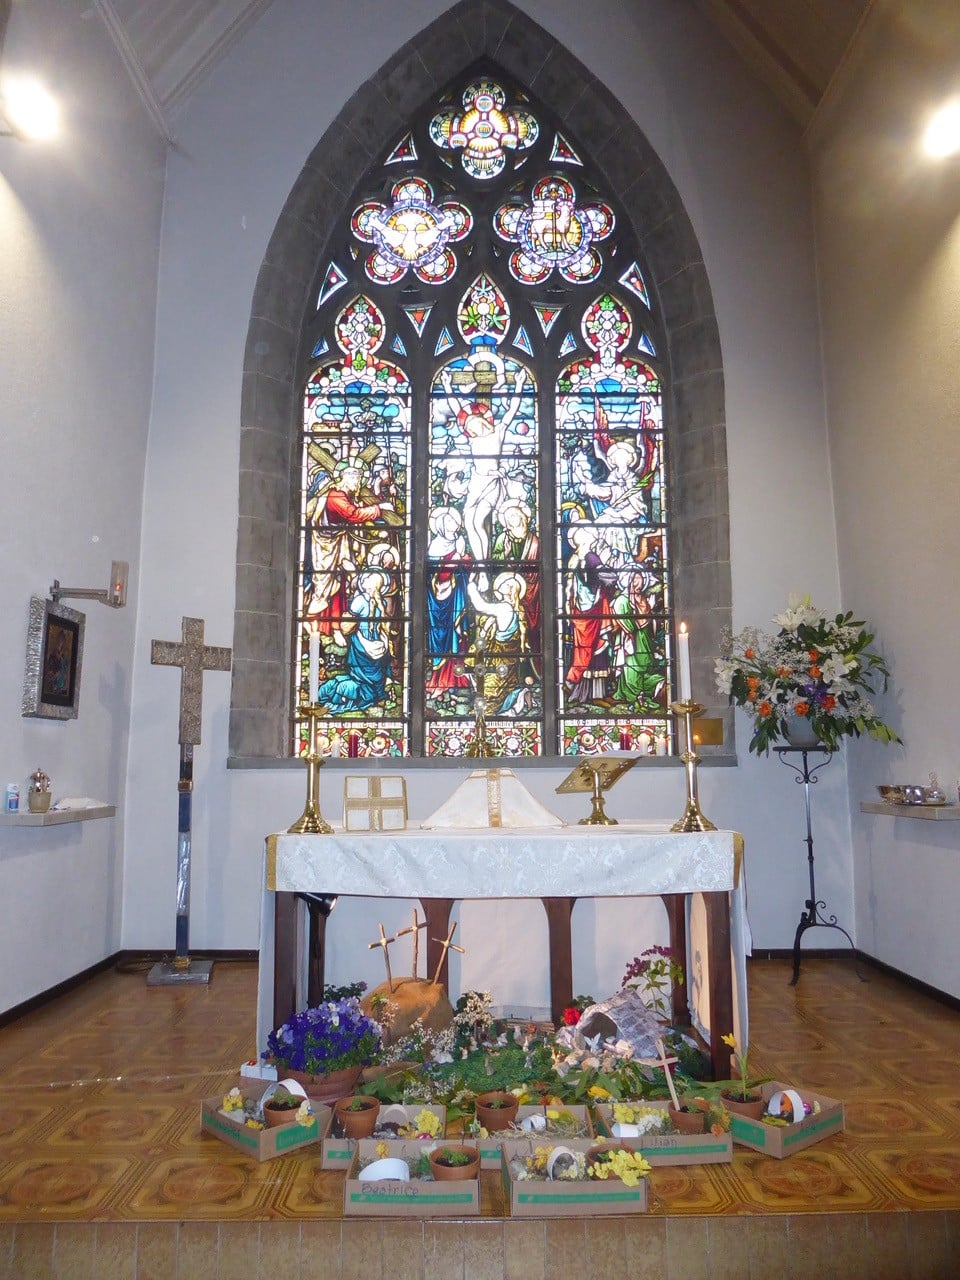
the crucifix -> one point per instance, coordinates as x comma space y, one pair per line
415, 930
446, 944
384, 942
193, 657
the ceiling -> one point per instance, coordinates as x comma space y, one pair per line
794, 46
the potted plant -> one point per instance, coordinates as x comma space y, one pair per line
454, 1163
700, 1115
496, 1109
281, 1107
817, 672
325, 1048
741, 1098
357, 1115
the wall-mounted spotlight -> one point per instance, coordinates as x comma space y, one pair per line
115, 595
27, 110
941, 138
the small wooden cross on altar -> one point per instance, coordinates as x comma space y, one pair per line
415, 930
384, 941
193, 657
446, 944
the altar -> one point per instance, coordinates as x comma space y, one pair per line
556, 865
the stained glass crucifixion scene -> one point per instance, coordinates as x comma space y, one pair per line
484, 517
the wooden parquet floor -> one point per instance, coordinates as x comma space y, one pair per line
103, 1170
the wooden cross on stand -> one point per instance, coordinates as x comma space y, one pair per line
415, 930
193, 657
384, 941
663, 1061
446, 944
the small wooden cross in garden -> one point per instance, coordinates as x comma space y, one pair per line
663, 1061
446, 944
415, 930
384, 942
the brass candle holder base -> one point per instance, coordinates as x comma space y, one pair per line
692, 818
312, 821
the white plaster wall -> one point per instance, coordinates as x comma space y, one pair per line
80, 232
242, 140
889, 235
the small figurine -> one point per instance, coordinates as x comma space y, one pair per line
38, 797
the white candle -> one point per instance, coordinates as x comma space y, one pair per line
643, 742
683, 659
314, 667
661, 744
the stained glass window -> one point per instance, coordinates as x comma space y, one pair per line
484, 564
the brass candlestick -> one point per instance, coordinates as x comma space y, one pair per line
312, 821
692, 818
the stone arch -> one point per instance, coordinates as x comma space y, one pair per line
694, 413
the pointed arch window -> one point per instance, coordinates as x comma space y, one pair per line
484, 553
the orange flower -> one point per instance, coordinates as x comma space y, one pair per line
764, 709
783, 672
753, 682
749, 653
751, 695
815, 672
829, 702
802, 708
814, 654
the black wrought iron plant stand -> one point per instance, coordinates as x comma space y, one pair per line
812, 918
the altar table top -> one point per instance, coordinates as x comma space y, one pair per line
561, 862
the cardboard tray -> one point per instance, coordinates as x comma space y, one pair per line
414, 1199
536, 1199
490, 1146
672, 1148
781, 1141
261, 1144
338, 1152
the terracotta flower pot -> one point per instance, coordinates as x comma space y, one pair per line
324, 1088
357, 1115
454, 1172
276, 1116
497, 1109
750, 1105
692, 1121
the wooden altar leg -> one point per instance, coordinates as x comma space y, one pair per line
676, 905
284, 957
559, 912
721, 980
437, 911
319, 906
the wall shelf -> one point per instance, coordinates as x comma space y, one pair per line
54, 817
931, 812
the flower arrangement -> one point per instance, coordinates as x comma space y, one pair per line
653, 974
648, 1120
617, 1162
816, 667
329, 1037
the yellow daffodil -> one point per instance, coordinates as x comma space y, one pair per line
598, 1091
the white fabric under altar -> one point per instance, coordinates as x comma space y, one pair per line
627, 860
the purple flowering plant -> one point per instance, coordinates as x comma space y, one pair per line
329, 1037
652, 974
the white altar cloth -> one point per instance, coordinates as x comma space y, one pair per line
630, 859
